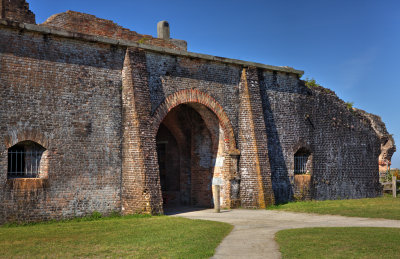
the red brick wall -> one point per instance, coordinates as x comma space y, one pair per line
16, 10
195, 96
141, 190
66, 96
97, 108
256, 187
92, 25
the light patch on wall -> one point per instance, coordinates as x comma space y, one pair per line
217, 181
219, 161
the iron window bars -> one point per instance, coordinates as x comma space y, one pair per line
24, 163
300, 164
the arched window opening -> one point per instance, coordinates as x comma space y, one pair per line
301, 162
24, 160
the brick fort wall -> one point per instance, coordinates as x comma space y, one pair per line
102, 107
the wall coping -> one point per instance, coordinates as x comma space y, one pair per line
91, 38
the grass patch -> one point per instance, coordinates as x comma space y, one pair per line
130, 236
382, 207
339, 242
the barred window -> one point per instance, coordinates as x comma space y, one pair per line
24, 160
301, 161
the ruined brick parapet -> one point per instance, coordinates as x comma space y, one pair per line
347, 148
16, 10
92, 25
388, 146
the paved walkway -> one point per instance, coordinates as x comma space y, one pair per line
254, 231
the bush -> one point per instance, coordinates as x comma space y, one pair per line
349, 105
311, 83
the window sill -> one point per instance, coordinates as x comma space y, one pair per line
27, 183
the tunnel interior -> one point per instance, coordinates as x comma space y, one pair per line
189, 145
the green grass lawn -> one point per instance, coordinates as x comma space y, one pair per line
130, 236
339, 243
382, 207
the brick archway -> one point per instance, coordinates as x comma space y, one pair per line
195, 96
20, 135
220, 156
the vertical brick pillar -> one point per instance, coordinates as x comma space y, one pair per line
255, 186
141, 191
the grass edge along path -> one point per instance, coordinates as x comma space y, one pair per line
382, 207
128, 236
339, 242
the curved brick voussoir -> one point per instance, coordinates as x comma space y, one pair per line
194, 96
22, 135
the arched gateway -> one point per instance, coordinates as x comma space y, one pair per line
195, 148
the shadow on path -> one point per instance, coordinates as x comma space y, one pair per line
177, 210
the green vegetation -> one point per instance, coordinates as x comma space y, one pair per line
382, 207
339, 242
387, 176
349, 105
311, 83
350, 242
395, 172
134, 236
143, 40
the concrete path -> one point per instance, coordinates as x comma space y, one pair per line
254, 230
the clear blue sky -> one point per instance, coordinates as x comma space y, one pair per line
349, 46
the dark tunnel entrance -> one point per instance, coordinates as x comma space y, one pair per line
186, 150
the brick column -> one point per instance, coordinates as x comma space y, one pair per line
255, 186
141, 191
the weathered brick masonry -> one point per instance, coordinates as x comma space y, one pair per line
16, 10
65, 95
132, 123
